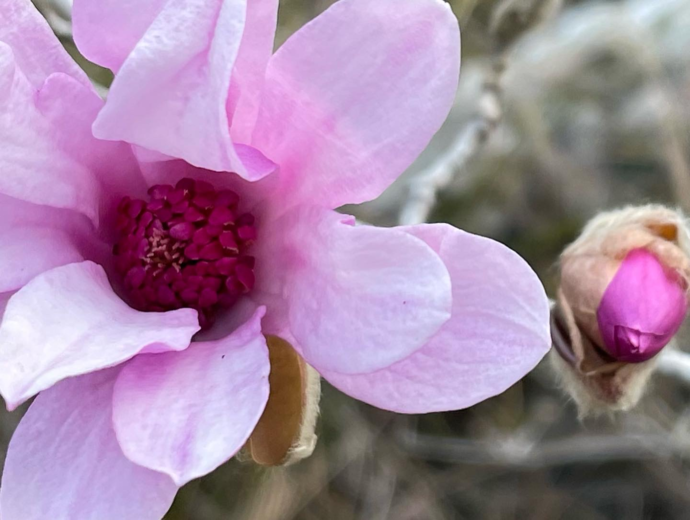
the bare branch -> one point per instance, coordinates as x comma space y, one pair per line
511, 20
526, 453
425, 187
58, 14
675, 363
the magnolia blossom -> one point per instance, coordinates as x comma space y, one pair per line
151, 243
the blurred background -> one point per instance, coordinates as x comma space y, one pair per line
565, 108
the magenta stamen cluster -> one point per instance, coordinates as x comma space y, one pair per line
185, 247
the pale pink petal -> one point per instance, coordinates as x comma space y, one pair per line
642, 308
357, 298
4, 299
36, 49
251, 193
178, 89
250, 67
66, 105
230, 319
144, 155
255, 161
38, 238
171, 92
28, 251
47, 106
68, 322
354, 97
186, 413
106, 31
497, 333
14, 212
250, 157
34, 166
64, 462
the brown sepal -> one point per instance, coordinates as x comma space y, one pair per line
596, 382
285, 432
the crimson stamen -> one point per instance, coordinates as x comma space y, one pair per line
185, 247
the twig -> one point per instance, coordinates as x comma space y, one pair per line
675, 363
524, 454
425, 187
511, 20
671, 133
58, 14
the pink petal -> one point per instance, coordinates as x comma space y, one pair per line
28, 251
64, 462
357, 298
230, 319
43, 92
184, 78
642, 308
354, 97
186, 413
106, 32
68, 322
34, 166
37, 51
4, 299
250, 67
67, 105
38, 238
44, 164
255, 161
251, 193
498, 332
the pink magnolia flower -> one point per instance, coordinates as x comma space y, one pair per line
205, 188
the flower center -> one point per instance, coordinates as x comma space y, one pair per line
185, 247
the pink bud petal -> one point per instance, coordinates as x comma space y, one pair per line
642, 309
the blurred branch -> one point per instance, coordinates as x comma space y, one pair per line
673, 151
279, 498
526, 454
425, 187
58, 14
511, 19
675, 363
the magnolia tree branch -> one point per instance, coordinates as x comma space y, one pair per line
510, 21
531, 453
424, 187
63, 8
58, 13
676, 364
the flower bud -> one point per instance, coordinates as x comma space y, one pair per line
642, 308
622, 298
